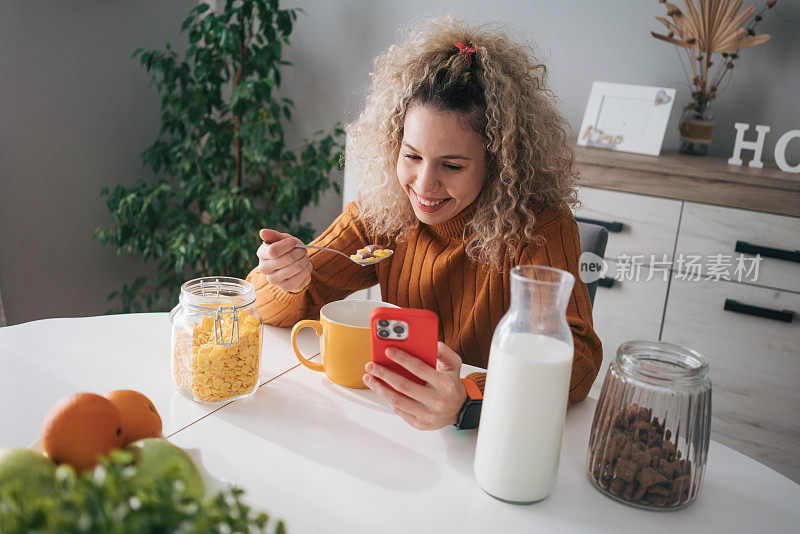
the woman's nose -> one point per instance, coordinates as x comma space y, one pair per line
427, 181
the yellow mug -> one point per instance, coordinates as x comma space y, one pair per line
343, 330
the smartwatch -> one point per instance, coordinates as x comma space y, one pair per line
470, 413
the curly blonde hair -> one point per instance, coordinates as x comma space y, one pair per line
502, 93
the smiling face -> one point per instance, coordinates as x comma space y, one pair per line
441, 165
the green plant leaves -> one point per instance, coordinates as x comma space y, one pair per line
105, 500
202, 218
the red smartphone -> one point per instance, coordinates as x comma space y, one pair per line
412, 330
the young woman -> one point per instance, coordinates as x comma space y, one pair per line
466, 171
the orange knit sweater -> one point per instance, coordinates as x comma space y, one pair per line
431, 270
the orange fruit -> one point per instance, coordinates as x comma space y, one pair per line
139, 417
80, 428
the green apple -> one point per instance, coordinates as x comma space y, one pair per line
159, 461
32, 470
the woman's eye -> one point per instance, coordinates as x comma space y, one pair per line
413, 156
453, 167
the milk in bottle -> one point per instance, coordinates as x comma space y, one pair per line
527, 384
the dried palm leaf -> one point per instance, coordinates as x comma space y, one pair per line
739, 19
715, 13
697, 23
749, 42
670, 26
688, 30
676, 42
732, 9
711, 26
729, 38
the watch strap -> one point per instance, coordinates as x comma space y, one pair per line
470, 412
473, 391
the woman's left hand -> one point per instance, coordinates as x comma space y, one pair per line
425, 407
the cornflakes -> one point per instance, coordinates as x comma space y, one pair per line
370, 253
213, 372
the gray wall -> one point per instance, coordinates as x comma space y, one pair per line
75, 113
77, 110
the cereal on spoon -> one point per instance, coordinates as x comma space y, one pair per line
370, 253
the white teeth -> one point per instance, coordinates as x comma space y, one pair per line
429, 204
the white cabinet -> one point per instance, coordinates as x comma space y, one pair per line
754, 365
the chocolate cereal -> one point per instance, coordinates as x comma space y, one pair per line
641, 463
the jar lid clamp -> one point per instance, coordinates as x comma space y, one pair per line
218, 334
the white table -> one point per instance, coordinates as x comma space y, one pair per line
330, 459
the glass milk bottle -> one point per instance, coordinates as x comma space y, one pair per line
527, 383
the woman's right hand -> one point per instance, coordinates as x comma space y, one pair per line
286, 267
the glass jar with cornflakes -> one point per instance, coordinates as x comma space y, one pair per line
216, 340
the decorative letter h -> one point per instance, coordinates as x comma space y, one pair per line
756, 146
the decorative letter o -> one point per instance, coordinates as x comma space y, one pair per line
780, 152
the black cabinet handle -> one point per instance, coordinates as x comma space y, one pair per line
784, 316
606, 282
768, 252
611, 226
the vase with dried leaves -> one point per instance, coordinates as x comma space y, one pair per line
711, 27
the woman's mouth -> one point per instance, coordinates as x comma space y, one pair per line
429, 204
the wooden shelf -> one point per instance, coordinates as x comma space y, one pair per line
707, 179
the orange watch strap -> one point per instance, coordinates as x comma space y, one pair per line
473, 391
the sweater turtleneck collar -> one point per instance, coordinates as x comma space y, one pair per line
454, 227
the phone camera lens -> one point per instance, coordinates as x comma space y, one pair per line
383, 333
383, 323
398, 329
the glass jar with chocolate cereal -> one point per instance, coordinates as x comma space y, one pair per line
216, 340
649, 439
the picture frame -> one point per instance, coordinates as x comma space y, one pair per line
627, 118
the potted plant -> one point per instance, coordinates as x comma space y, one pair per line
713, 27
226, 170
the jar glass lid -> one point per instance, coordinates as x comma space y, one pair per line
659, 361
213, 292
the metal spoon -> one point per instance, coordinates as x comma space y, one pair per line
360, 262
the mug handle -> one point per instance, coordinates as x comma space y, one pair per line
317, 326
